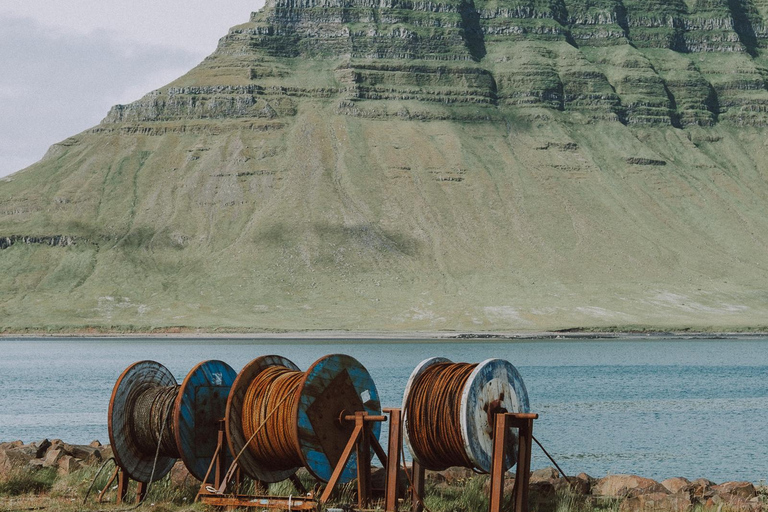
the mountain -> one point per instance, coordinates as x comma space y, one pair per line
417, 165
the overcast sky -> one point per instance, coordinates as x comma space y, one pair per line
64, 63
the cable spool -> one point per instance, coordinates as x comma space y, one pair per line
448, 411
148, 408
293, 419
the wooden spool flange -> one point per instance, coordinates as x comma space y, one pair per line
494, 386
199, 405
334, 386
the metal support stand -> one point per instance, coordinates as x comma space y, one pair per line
123, 483
361, 440
503, 422
394, 449
417, 492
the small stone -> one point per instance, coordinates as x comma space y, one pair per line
12, 444
95, 444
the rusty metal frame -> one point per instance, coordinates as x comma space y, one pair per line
123, 484
362, 441
502, 424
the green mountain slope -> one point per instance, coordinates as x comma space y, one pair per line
406, 165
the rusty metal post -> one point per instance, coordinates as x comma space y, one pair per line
417, 493
500, 431
220, 459
141, 492
363, 461
502, 423
122, 486
394, 448
524, 424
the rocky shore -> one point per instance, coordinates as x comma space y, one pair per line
548, 488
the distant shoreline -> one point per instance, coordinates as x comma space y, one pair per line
395, 336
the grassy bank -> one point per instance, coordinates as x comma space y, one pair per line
47, 490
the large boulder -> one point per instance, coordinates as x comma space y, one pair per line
657, 502
52, 458
742, 490
542, 496
544, 475
580, 484
41, 448
68, 465
621, 486
676, 484
13, 459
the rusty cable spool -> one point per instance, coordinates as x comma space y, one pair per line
282, 419
148, 409
449, 409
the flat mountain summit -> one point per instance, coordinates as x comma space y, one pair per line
417, 165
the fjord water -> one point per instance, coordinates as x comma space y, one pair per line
658, 407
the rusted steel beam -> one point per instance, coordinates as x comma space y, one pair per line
363, 462
122, 486
395, 447
523, 475
352, 417
260, 502
503, 422
417, 493
342, 462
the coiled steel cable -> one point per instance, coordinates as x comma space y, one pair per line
268, 417
152, 425
433, 416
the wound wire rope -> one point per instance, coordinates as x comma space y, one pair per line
433, 415
274, 444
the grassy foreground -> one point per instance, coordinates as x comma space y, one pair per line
47, 490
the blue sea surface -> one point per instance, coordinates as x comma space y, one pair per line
658, 407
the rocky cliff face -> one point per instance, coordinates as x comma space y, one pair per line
419, 164
637, 62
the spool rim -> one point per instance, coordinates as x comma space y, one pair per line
479, 389
185, 419
415, 374
309, 443
236, 440
133, 381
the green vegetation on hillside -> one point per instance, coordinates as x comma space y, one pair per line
489, 165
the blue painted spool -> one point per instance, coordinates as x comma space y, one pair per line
200, 405
334, 386
493, 381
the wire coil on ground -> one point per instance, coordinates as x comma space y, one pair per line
270, 403
433, 416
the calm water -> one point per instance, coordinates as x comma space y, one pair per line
658, 408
